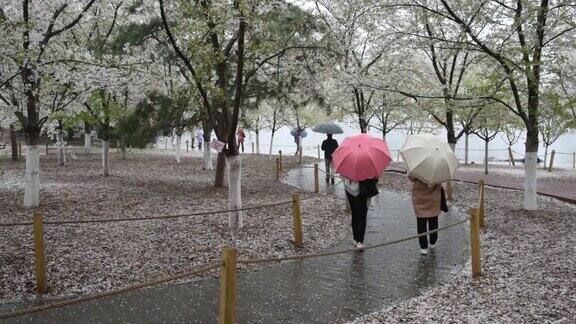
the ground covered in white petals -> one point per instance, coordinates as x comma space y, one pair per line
86, 258
528, 261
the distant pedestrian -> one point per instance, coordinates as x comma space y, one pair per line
358, 195
241, 137
427, 203
329, 145
200, 139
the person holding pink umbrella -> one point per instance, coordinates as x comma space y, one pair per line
360, 160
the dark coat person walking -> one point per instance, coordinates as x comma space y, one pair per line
358, 195
329, 145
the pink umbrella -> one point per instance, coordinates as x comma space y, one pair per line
361, 157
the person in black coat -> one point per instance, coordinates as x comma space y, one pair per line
358, 194
329, 145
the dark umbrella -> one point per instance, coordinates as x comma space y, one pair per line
328, 128
303, 133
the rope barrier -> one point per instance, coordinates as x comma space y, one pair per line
325, 254
145, 284
124, 219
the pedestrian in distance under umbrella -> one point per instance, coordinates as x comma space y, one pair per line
329, 145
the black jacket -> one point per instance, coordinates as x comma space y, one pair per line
329, 146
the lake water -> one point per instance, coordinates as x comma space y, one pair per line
564, 146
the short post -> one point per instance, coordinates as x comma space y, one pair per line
316, 181
187, 146
300, 154
278, 167
551, 166
297, 216
253, 148
117, 146
40, 259
318, 147
481, 203
573, 160
475, 242
228, 287
46, 148
19, 150
280, 156
398, 156
511, 157
449, 191
166, 144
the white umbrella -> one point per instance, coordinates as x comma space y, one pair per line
429, 159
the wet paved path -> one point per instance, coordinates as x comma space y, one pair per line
320, 290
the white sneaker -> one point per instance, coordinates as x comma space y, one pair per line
424, 251
359, 246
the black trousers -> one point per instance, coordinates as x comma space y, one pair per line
359, 208
425, 225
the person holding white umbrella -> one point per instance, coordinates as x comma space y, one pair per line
429, 163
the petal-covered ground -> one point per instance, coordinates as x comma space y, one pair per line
528, 260
85, 258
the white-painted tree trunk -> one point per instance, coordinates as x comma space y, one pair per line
486, 157
87, 143
466, 148
545, 156
453, 147
257, 142
105, 157
271, 144
530, 180
178, 153
32, 186
234, 164
61, 153
208, 165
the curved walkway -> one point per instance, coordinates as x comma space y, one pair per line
320, 290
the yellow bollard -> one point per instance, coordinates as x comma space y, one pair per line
228, 286
475, 242
551, 166
481, 203
297, 217
278, 167
316, 181
39, 253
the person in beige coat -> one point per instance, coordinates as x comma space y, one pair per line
426, 202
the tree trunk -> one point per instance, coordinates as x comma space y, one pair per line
220, 170
257, 142
234, 163
61, 153
545, 155
530, 171
178, 142
486, 156
466, 148
32, 189
452, 146
105, 157
123, 150
208, 165
271, 143
87, 143
13, 143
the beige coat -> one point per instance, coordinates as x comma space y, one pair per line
425, 199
